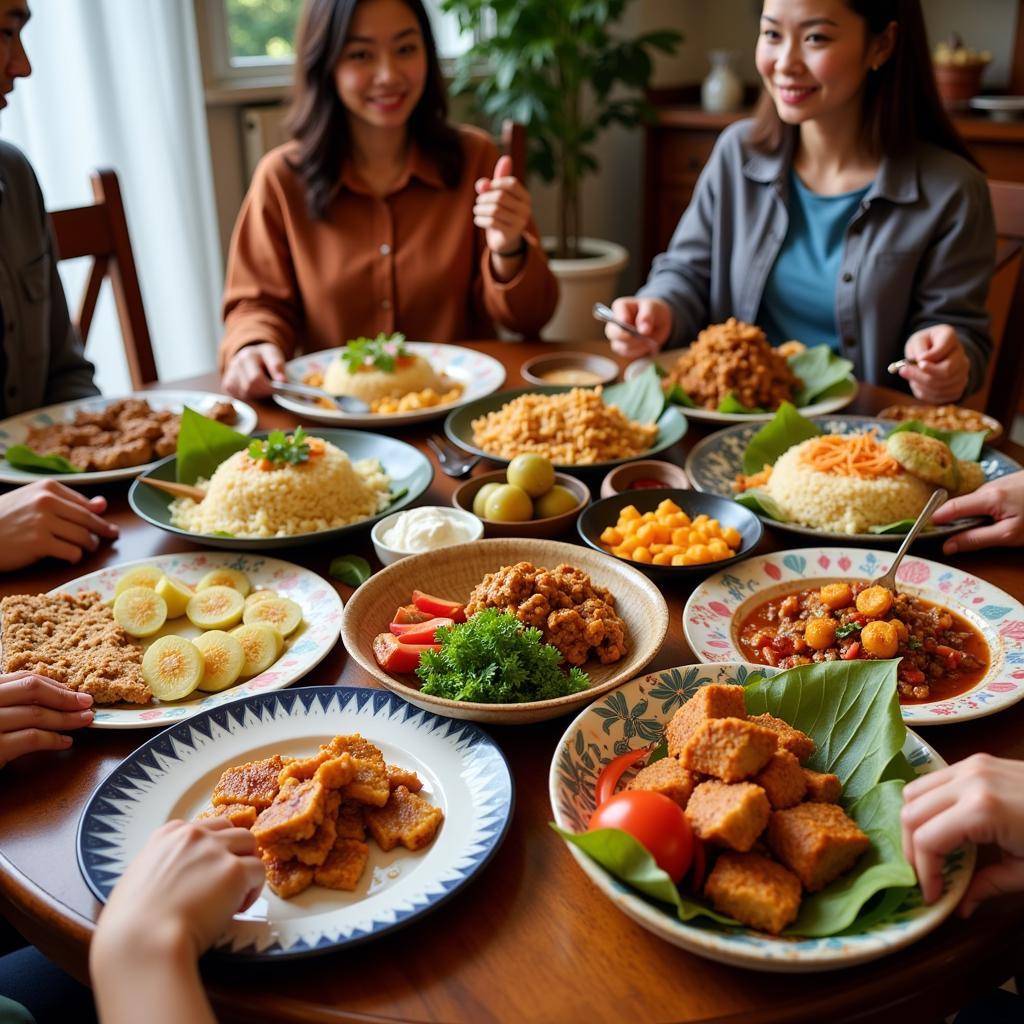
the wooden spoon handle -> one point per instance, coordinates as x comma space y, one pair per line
178, 490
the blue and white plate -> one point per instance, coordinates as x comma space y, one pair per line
15, 430
634, 716
715, 462
172, 776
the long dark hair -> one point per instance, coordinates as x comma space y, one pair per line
318, 121
901, 101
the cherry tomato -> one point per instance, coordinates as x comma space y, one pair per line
608, 780
655, 821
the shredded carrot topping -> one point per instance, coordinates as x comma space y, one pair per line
859, 455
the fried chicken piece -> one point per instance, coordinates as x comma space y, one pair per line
73, 640
223, 412
165, 445
122, 455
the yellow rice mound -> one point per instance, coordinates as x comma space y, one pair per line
843, 504
323, 493
413, 374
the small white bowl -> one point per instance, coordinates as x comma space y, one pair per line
387, 555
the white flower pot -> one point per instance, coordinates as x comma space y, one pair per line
581, 283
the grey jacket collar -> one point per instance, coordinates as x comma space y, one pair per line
897, 178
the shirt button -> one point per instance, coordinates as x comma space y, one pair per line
847, 277
385, 249
385, 303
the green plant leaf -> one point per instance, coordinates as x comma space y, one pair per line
395, 493
640, 398
778, 435
819, 369
350, 569
900, 526
677, 396
732, 404
762, 503
20, 456
966, 445
203, 444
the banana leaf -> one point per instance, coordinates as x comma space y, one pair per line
203, 444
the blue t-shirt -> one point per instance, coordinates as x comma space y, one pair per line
799, 300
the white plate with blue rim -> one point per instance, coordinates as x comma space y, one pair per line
714, 463
476, 372
14, 430
172, 776
635, 715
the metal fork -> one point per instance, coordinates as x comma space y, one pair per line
453, 461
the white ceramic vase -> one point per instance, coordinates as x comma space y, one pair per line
722, 90
582, 282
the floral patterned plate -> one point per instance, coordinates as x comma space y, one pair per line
306, 647
172, 775
635, 715
14, 430
477, 372
715, 462
713, 612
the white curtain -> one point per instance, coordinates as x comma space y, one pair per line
118, 83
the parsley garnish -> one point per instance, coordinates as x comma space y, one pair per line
493, 659
279, 447
381, 352
848, 628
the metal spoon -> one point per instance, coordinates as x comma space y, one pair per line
899, 364
344, 403
889, 579
603, 312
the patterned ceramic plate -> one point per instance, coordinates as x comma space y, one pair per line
172, 775
666, 360
306, 647
715, 462
477, 372
635, 715
14, 430
717, 605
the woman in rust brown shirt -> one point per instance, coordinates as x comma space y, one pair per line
378, 215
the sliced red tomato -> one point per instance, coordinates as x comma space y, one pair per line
438, 606
608, 780
419, 632
410, 613
851, 652
395, 656
656, 822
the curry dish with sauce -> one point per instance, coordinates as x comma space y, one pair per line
941, 654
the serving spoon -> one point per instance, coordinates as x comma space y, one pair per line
888, 580
171, 487
344, 403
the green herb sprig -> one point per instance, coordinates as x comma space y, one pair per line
382, 352
279, 447
493, 659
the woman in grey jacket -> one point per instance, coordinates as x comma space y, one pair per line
848, 211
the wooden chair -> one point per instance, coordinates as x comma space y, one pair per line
513, 142
101, 231
1006, 304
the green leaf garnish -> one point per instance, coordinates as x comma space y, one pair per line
677, 396
819, 370
382, 352
20, 456
847, 628
203, 444
761, 503
350, 569
640, 398
396, 493
778, 435
732, 404
282, 448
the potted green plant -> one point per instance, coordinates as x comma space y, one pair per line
557, 68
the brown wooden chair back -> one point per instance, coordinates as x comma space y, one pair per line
1006, 304
101, 231
513, 142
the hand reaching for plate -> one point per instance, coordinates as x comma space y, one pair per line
1003, 500
251, 369
35, 712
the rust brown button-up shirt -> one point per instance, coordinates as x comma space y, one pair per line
410, 261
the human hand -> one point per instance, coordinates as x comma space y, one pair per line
178, 893
1002, 499
980, 800
942, 366
251, 369
46, 518
651, 317
35, 712
502, 209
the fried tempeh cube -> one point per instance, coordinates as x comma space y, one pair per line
755, 890
715, 700
822, 787
344, 865
668, 777
254, 783
406, 818
730, 749
782, 780
350, 821
240, 815
295, 814
793, 740
302, 768
369, 785
731, 815
287, 877
817, 842
398, 776
336, 772
312, 851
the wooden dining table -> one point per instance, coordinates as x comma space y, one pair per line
530, 938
